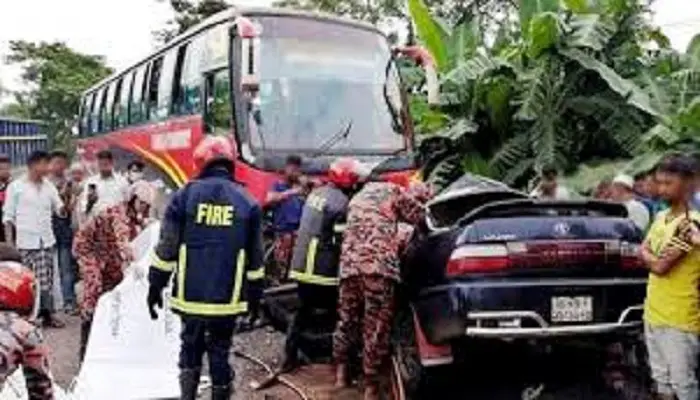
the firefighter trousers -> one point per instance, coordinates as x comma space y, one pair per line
366, 309
212, 336
312, 298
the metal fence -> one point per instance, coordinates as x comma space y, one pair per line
19, 138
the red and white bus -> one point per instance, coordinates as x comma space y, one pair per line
281, 82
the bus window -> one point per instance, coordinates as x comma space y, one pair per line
191, 78
121, 110
95, 111
218, 114
85, 114
151, 99
137, 113
169, 80
117, 102
176, 102
107, 110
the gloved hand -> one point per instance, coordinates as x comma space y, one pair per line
155, 299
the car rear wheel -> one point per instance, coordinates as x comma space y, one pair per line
413, 378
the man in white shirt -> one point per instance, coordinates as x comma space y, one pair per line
622, 191
549, 188
105, 189
30, 203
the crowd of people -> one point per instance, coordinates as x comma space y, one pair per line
339, 237
64, 226
639, 194
663, 204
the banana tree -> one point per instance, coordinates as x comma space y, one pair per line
542, 93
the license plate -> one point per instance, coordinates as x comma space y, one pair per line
572, 309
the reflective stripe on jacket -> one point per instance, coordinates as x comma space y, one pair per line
317, 247
211, 238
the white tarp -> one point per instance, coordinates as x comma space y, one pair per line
128, 356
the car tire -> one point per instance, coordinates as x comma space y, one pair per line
412, 376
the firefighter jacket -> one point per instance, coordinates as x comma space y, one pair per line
317, 247
211, 238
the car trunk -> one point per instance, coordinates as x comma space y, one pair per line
556, 239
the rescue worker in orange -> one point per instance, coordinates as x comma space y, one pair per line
317, 253
21, 341
211, 237
369, 272
102, 249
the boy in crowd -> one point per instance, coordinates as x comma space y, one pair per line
549, 186
672, 306
62, 227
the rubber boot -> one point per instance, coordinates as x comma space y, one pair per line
189, 381
221, 392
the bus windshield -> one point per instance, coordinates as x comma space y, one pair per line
325, 87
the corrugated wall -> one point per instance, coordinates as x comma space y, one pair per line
18, 138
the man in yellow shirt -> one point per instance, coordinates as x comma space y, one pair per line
672, 309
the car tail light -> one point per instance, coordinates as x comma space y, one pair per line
630, 257
478, 258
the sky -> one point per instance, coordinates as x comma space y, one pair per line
122, 30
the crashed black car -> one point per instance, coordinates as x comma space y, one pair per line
489, 263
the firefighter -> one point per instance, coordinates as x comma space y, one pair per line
317, 250
369, 272
211, 238
21, 342
102, 248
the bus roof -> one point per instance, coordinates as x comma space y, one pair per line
229, 15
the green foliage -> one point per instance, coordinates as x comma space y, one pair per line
562, 86
56, 77
431, 33
187, 14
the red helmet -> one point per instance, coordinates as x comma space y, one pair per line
213, 148
17, 288
345, 172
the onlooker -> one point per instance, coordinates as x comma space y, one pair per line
672, 306
77, 177
135, 171
549, 186
30, 204
287, 201
622, 190
63, 230
603, 190
105, 189
5, 175
646, 189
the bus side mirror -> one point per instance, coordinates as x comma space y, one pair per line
249, 34
423, 58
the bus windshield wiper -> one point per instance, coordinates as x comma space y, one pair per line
333, 140
395, 114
